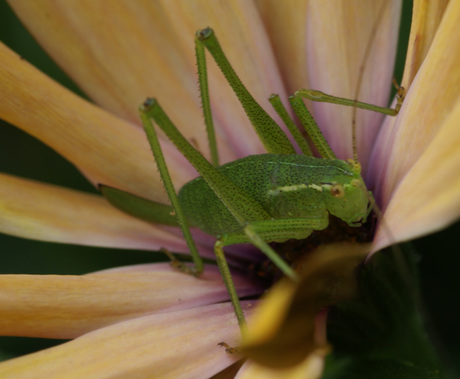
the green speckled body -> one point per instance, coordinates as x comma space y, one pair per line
258, 199
287, 187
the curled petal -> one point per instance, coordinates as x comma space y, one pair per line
336, 52
46, 212
52, 306
155, 346
106, 149
311, 368
289, 325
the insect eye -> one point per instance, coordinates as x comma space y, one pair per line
337, 190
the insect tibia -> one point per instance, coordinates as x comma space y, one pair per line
151, 110
271, 135
275, 101
311, 127
312, 94
319, 96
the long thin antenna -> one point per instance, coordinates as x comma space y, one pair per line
360, 78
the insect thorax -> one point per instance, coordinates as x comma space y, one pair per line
287, 186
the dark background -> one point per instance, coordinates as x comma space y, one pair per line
22, 155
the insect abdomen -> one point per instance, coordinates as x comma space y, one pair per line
287, 186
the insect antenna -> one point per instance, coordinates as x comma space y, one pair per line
400, 95
362, 67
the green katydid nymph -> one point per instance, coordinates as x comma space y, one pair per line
258, 199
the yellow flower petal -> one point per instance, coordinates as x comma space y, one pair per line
426, 16
429, 102
421, 175
45, 212
119, 53
428, 197
52, 306
338, 34
154, 56
106, 149
179, 344
285, 328
310, 368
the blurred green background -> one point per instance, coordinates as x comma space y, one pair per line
24, 156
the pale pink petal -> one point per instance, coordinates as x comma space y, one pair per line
428, 196
419, 185
377, 165
286, 24
242, 35
425, 22
426, 16
154, 56
52, 306
338, 33
106, 149
182, 344
429, 105
46, 212
119, 53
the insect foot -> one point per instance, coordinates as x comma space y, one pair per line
230, 350
178, 265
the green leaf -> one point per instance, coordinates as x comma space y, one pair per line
379, 369
382, 329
